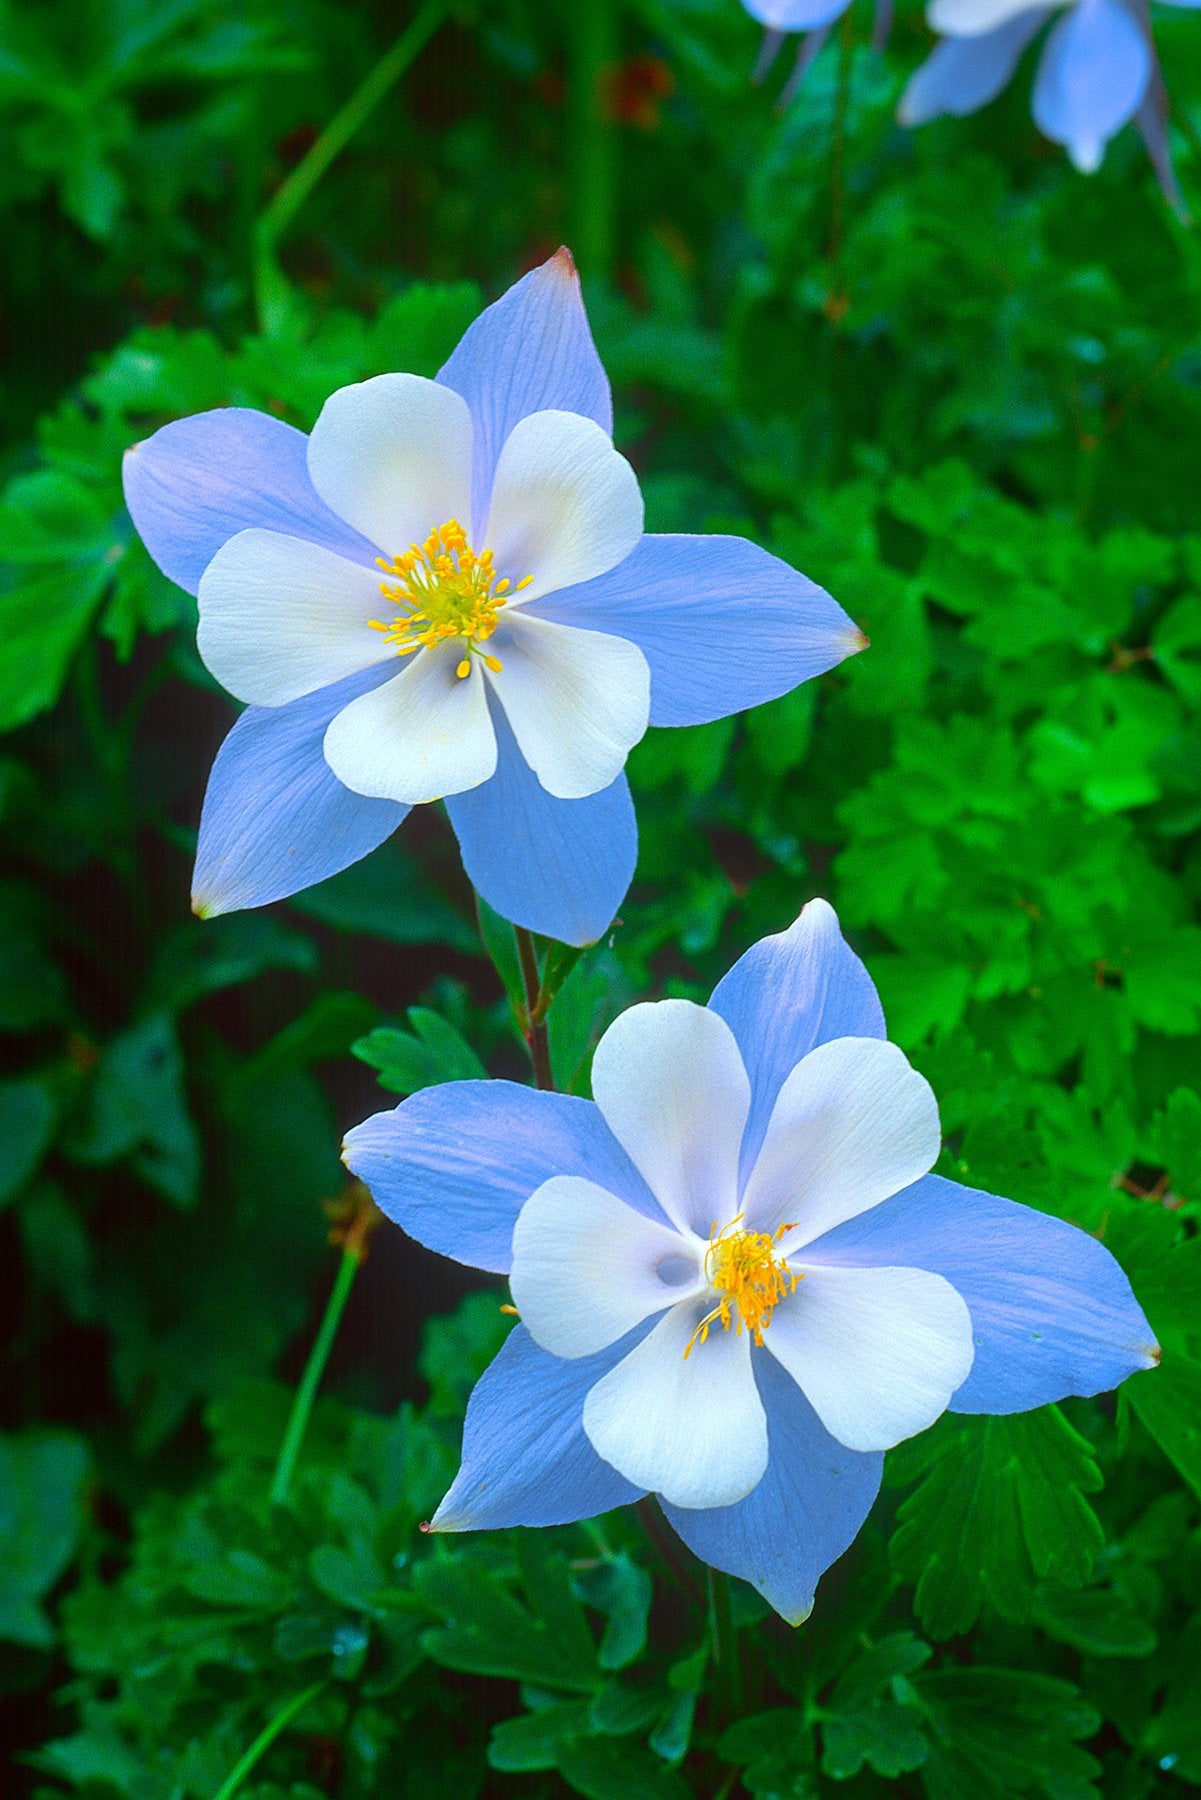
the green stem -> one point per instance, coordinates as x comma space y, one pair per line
594, 50
725, 1642
306, 1393
270, 284
266, 1738
534, 1022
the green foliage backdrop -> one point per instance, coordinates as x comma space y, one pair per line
953, 381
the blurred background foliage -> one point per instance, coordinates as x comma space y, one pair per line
948, 377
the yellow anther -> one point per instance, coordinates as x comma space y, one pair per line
750, 1276
443, 590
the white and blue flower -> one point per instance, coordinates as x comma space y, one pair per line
738, 1282
445, 592
1097, 71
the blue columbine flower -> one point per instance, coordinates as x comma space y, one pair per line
445, 592
1098, 71
738, 1284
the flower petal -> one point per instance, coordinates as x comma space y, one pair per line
577, 702
673, 1090
587, 1269
199, 481
393, 456
280, 618
963, 74
854, 1124
276, 819
454, 1165
977, 18
878, 1353
722, 624
1052, 1312
423, 734
1092, 78
690, 1428
805, 1512
531, 351
560, 867
785, 996
526, 1460
565, 504
795, 15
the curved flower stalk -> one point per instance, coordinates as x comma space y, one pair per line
738, 1282
1098, 70
445, 592
814, 19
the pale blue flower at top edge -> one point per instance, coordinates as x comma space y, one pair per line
738, 1283
1097, 72
384, 666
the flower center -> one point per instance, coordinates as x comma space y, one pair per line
442, 590
745, 1269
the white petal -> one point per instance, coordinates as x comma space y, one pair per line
587, 1268
853, 1124
878, 1353
565, 504
693, 1429
392, 456
671, 1085
280, 618
972, 18
578, 701
425, 734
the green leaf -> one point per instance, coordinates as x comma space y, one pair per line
202, 958
519, 1746
622, 1590
998, 1732
871, 1719
1168, 1402
603, 1769
137, 1108
27, 1114
1000, 1506
456, 1349
42, 1476
387, 895
432, 1052
486, 1631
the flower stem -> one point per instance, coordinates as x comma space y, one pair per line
267, 1736
306, 1393
593, 52
270, 285
534, 1020
725, 1642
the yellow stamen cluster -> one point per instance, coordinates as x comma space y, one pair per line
752, 1278
444, 590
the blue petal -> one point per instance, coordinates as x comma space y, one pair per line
276, 818
561, 867
1052, 1312
965, 73
808, 1508
723, 624
1092, 78
198, 481
529, 352
454, 1165
526, 1460
795, 15
787, 995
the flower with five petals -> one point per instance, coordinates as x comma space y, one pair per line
738, 1282
446, 592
